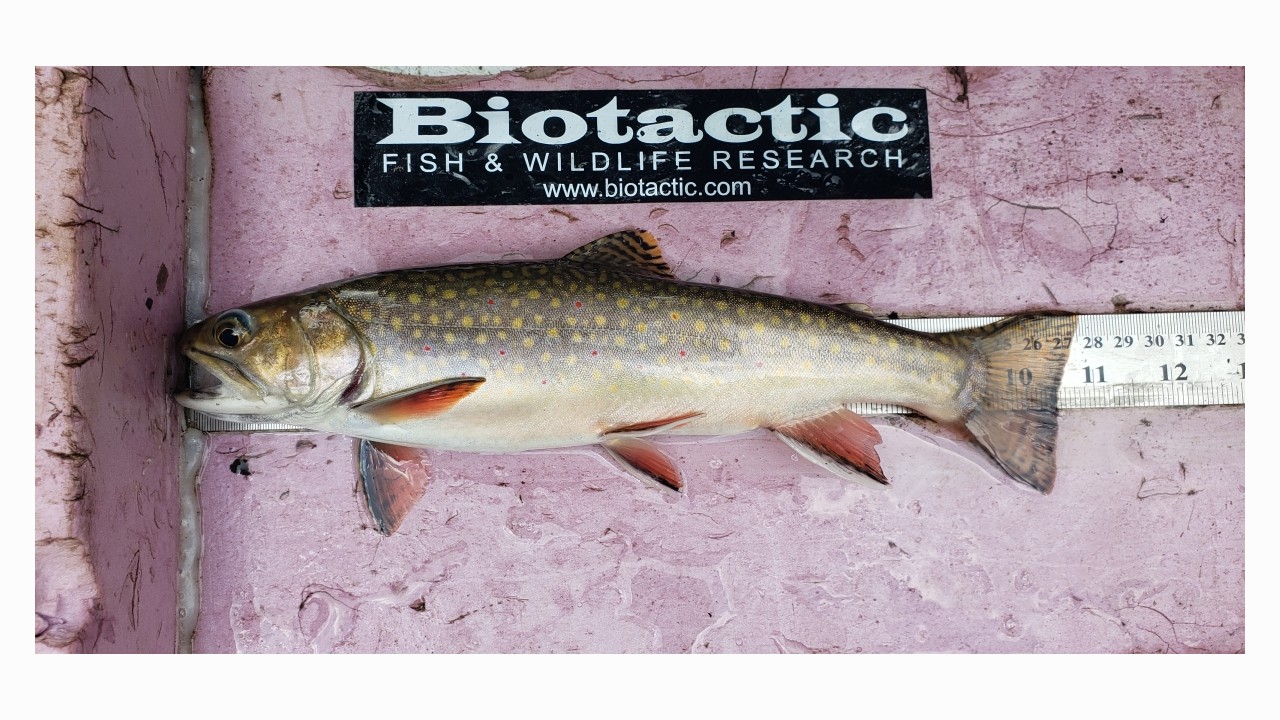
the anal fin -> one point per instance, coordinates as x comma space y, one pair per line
392, 479
840, 441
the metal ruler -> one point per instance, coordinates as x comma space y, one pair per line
1142, 359
1130, 360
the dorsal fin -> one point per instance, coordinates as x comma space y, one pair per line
635, 250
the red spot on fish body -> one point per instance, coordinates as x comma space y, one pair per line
577, 303
490, 301
683, 353
595, 353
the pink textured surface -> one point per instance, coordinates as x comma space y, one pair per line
1054, 188
109, 306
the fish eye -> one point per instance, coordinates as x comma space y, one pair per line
232, 329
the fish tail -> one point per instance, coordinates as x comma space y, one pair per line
1012, 396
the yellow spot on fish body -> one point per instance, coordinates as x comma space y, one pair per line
619, 341
662, 339
784, 343
408, 354
805, 318
757, 328
700, 326
613, 388
481, 338
450, 338
517, 368
553, 332
873, 339
517, 322
675, 315
397, 324
545, 357
600, 320
570, 359
722, 305
449, 294
467, 321
415, 298
490, 282
725, 344
642, 327
812, 341
577, 337
366, 314
835, 348
623, 303
502, 334
555, 302
527, 342
893, 343
417, 333
534, 294
515, 303
601, 296
570, 321
871, 361
472, 292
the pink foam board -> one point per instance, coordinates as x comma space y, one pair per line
110, 186
1085, 190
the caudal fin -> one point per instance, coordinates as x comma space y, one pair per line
1015, 412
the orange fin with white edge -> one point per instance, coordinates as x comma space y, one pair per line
635, 250
840, 441
419, 402
392, 479
644, 460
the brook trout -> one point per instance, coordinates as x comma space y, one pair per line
604, 346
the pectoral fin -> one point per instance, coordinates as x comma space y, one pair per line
419, 402
392, 479
644, 460
840, 441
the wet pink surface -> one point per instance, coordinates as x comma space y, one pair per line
109, 271
1076, 189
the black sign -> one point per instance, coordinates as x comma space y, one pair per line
619, 146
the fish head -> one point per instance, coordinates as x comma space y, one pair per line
289, 357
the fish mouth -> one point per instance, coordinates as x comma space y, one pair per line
235, 392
